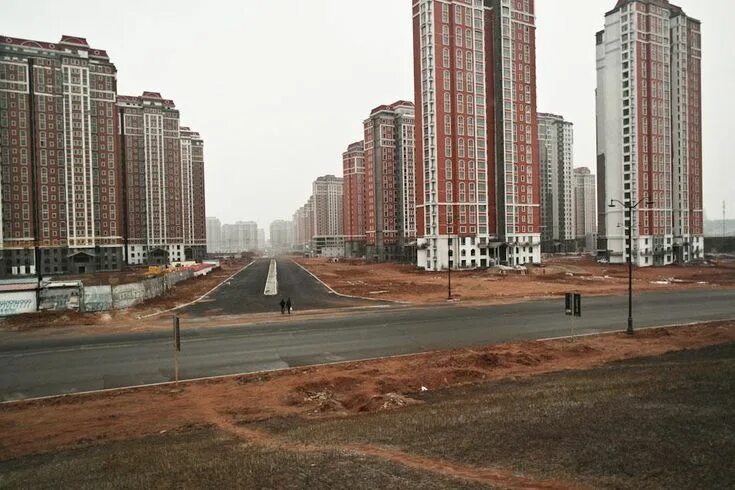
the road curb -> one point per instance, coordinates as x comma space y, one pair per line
640, 329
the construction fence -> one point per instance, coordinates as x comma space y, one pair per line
28, 297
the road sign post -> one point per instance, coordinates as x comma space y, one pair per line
573, 308
177, 348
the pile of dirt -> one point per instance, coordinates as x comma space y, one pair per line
337, 390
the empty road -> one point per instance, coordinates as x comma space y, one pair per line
244, 293
40, 367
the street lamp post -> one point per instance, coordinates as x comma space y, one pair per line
449, 267
629, 239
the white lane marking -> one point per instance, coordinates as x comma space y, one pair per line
271, 284
199, 298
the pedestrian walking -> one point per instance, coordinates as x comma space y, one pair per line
288, 305
283, 306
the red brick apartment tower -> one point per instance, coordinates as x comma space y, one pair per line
192, 192
60, 202
150, 143
390, 182
353, 172
477, 166
649, 132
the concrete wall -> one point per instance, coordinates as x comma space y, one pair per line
97, 298
60, 298
127, 295
92, 298
17, 302
174, 278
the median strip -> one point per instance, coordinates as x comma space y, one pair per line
271, 284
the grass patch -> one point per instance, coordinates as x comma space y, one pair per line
208, 459
664, 422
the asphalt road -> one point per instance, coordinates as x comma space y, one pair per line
40, 367
244, 293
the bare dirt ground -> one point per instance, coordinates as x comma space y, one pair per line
407, 283
318, 392
182, 293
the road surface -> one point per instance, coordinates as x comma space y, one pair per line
244, 293
40, 367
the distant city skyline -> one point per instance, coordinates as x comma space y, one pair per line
267, 141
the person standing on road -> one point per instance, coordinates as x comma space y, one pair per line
283, 306
288, 305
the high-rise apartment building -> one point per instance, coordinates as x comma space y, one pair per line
214, 235
585, 203
556, 141
390, 182
353, 172
477, 168
261, 239
649, 133
59, 176
163, 165
281, 233
242, 236
192, 190
150, 145
304, 225
326, 210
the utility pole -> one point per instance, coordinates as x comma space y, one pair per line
724, 213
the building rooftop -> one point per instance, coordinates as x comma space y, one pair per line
65, 43
674, 9
401, 104
154, 97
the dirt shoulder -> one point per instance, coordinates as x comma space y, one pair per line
319, 392
407, 283
128, 319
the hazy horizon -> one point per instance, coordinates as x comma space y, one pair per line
276, 111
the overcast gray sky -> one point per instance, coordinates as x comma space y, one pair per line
278, 89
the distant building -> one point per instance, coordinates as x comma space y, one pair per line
649, 133
261, 239
390, 180
556, 142
304, 225
585, 207
328, 235
61, 189
239, 237
477, 167
353, 171
281, 233
214, 235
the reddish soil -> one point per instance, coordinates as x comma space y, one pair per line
182, 293
555, 277
340, 390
